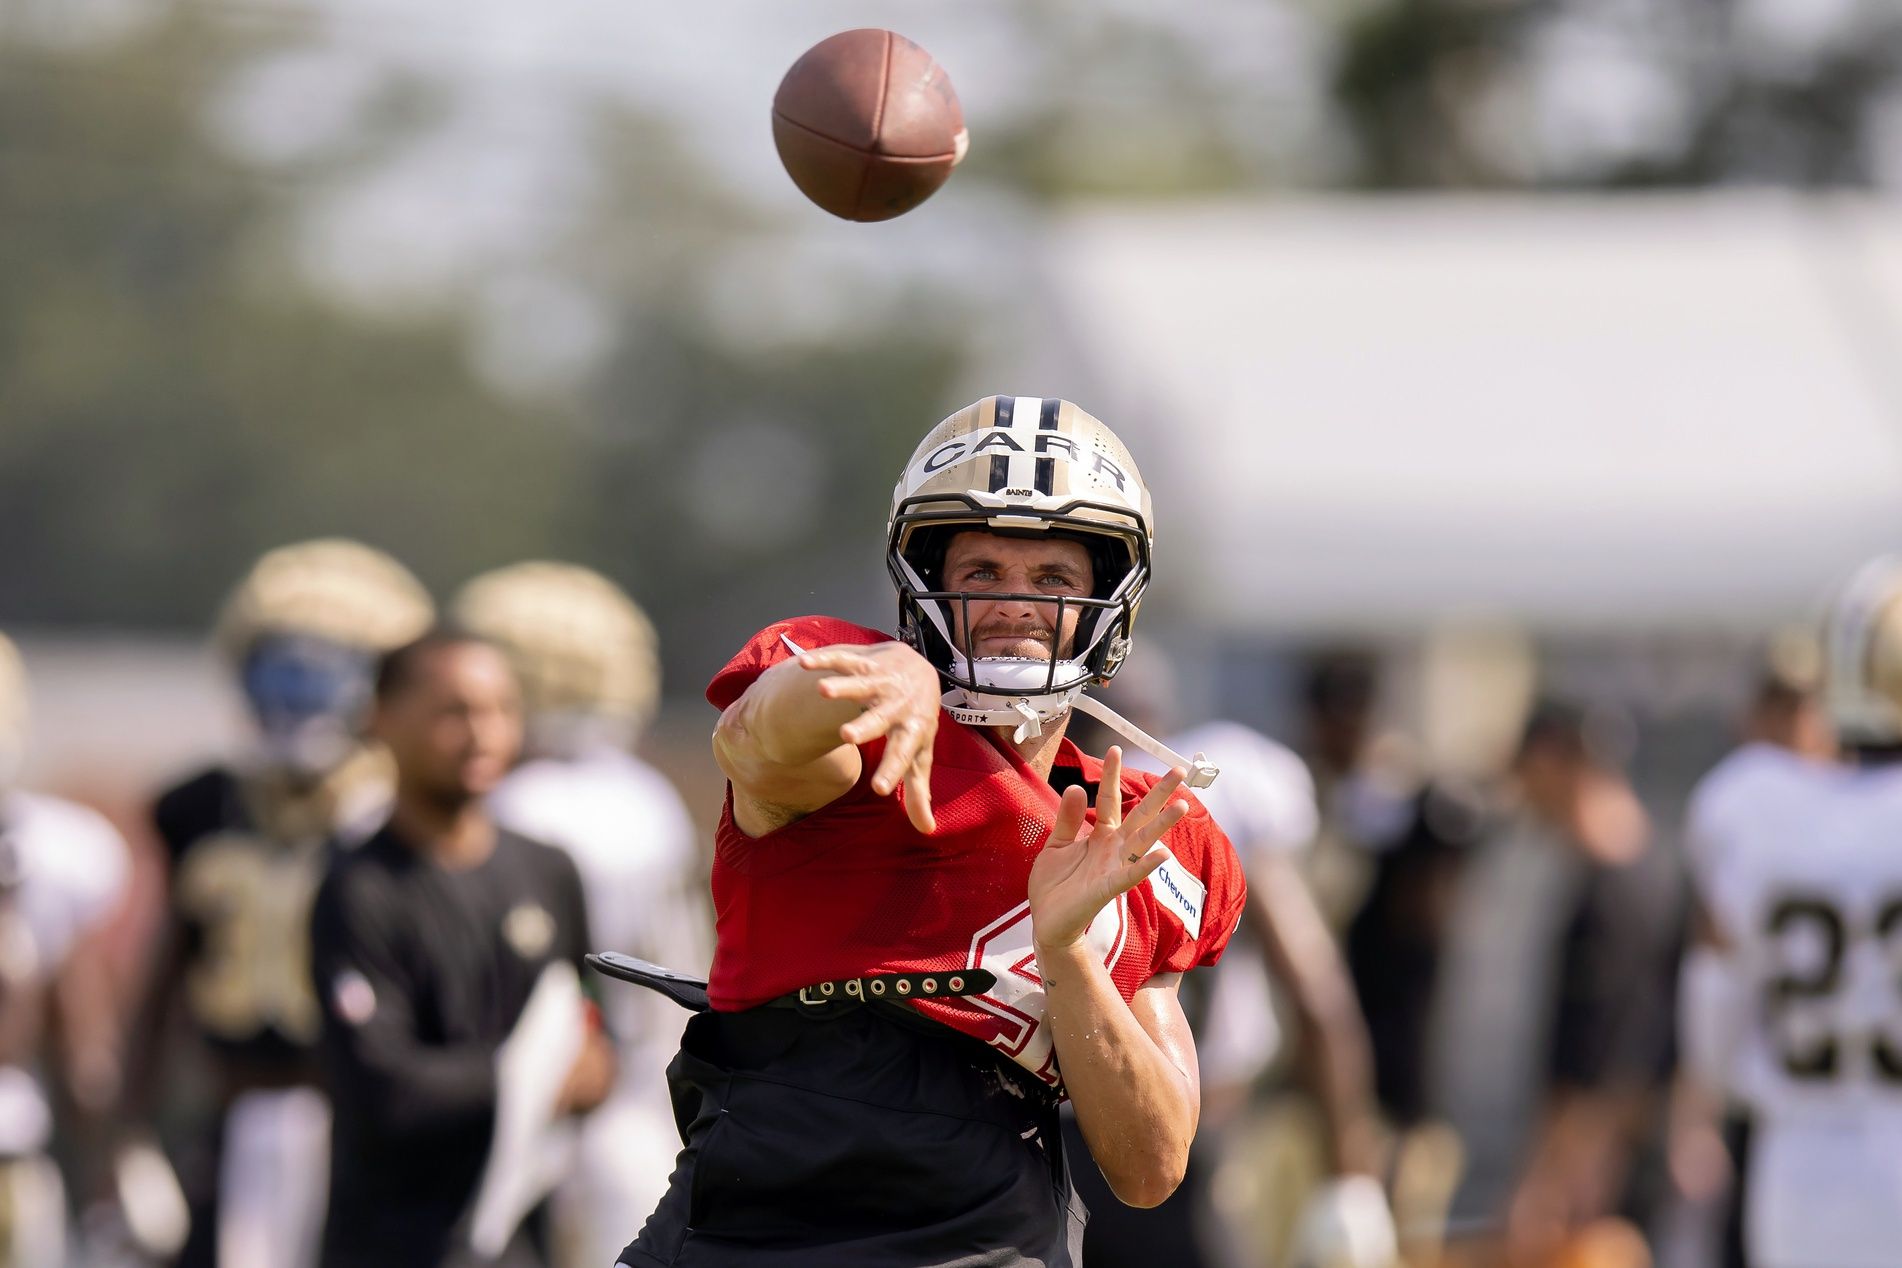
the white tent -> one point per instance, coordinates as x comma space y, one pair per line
1622, 412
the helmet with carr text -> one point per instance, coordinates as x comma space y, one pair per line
1023, 466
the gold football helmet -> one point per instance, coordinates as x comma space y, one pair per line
333, 589
301, 633
1022, 465
581, 647
1862, 651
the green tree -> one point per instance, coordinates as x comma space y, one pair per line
169, 404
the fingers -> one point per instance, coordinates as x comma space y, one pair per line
868, 726
1070, 812
918, 795
1109, 809
1146, 822
854, 687
905, 739
1131, 875
1156, 798
1141, 838
844, 660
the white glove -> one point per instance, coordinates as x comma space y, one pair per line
150, 1200
1347, 1224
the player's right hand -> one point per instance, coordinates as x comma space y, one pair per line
590, 1078
900, 696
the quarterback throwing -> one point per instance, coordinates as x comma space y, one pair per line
936, 915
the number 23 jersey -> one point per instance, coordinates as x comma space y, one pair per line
1800, 865
854, 889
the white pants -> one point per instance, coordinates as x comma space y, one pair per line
628, 1147
274, 1179
1824, 1197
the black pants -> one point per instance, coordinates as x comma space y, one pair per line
864, 1140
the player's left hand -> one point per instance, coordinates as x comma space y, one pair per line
1082, 868
1347, 1224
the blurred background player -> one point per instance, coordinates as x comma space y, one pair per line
1550, 1038
63, 871
1792, 1001
1363, 780
1310, 1163
1788, 709
427, 942
1710, 1121
247, 844
586, 657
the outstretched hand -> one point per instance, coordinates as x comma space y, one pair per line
1082, 868
901, 696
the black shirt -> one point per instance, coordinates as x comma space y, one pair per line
421, 973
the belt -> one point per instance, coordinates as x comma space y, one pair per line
889, 988
690, 992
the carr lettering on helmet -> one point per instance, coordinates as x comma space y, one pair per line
1022, 465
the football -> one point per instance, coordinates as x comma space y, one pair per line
867, 124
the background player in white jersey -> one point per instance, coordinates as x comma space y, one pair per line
1265, 801
1794, 1000
247, 842
63, 871
587, 659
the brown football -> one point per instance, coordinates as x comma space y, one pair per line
867, 124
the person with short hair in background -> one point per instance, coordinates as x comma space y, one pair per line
588, 661
1312, 1152
1792, 1006
427, 942
1550, 1044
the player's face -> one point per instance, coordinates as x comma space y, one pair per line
980, 562
455, 727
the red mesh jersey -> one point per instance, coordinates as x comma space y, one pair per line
855, 889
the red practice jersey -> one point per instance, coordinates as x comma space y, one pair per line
854, 888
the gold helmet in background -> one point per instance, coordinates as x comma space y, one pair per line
1862, 654
302, 631
333, 589
13, 712
585, 652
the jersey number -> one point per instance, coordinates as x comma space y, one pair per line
253, 971
1005, 947
1818, 1054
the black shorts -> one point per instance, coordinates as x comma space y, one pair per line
865, 1140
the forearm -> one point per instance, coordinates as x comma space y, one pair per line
1580, 1155
783, 719
92, 1038
1136, 1101
414, 1091
1337, 1055
1340, 1076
